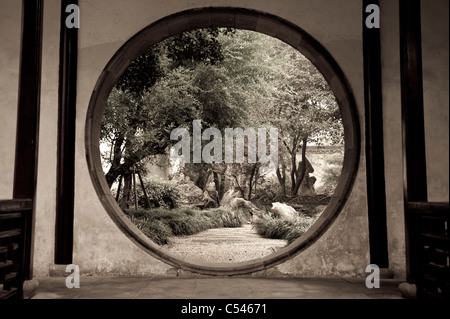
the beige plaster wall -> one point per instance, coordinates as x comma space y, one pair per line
436, 101
10, 31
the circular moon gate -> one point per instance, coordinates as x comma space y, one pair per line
240, 19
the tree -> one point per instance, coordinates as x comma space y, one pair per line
304, 110
226, 79
148, 101
271, 84
136, 128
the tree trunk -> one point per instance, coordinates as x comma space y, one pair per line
293, 172
126, 191
281, 175
115, 160
122, 168
147, 201
238, 186
300, 173
134, 189
250, 182
118, 188
219, 182
203, 177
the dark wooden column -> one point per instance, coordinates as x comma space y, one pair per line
26, 154
427, 238
376, 193
66, 140
414, 155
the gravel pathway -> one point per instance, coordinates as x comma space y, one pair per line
225, 245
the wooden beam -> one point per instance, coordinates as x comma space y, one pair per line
376, 191
66, 140
28, 101
26, 154
415, 174
413, 131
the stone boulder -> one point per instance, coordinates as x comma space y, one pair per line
237, 203
229, 195
208, 202
283, 211
189, 193
212, 192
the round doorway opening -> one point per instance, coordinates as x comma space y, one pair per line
223, 121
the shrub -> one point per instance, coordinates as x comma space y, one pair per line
156, 230
160, 224
233, 218
290, 230
160, 194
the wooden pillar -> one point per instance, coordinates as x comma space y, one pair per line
414, 156
376, 192
66, 140
26, 153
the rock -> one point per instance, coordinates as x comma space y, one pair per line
211, 187
208, 201
230, 195
29, 288
307, 185
283, 211
233, 200
190, 193
212, 192
237, 203
408, 291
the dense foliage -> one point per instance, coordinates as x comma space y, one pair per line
225, 78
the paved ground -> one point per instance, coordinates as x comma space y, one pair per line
219, 297
240, 244
215, 288
225, 245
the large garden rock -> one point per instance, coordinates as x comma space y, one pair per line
283, 211
229, 195
237, 203
208, 202
212, 192
190, 193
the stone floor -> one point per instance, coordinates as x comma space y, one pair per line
220, 297
214, 288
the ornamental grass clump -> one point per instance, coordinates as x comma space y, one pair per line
160, 224
275, 228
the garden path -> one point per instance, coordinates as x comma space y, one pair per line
225, 245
